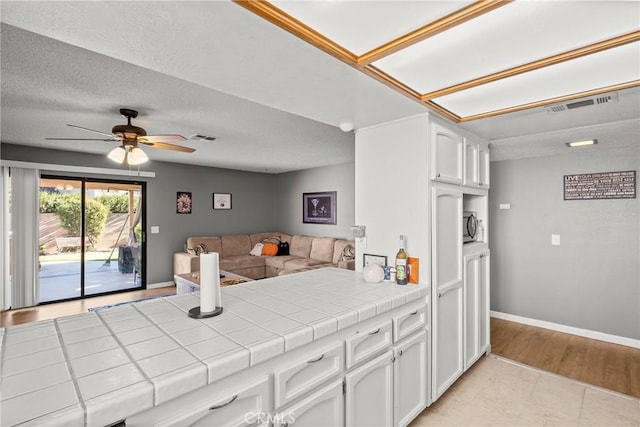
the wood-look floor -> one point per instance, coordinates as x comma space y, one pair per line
52, 311
602, 364
611, 366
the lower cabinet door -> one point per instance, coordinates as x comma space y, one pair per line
247, 406
410, 379
322, 408
369, 393
447, 352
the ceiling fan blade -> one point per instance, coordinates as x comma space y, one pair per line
91, 130
166, 146
81, 139
161, 138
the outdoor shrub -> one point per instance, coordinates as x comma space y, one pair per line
116, 203
71, 217
49, 201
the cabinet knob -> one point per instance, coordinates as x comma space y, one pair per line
438, 175
481, 184
400, 352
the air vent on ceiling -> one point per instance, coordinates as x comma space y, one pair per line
603, 99
199, 137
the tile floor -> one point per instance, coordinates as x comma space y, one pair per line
499, 392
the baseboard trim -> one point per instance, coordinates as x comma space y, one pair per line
600, 336
160, 285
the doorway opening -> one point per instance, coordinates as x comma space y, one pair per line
91, 237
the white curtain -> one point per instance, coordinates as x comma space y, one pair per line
25, 215
5, 284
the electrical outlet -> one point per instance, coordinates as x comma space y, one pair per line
155, 229
555, 239
505, 205
361, 242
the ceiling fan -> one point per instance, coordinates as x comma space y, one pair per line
129, 136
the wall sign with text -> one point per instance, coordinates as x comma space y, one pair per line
601, 185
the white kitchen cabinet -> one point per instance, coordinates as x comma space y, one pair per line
484, 159
368, 342
476, 164
447, 357
447, 290
446, 155
369, 393
323, 408
476, 302
410, 387
471, 164
298, 377
231, 407
409, 322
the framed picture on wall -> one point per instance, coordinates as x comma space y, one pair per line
367, 259
221, 200
183, 202
319, 208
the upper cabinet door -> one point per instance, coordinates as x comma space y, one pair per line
471, 173
484, 160
446, 155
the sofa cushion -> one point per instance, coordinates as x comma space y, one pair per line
322, 248
260, 237
240, 261
213, 244
235, 245
295, 264
301, 246
339, 250
279, 261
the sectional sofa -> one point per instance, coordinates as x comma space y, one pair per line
305, 252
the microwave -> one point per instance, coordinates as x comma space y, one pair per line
469, 227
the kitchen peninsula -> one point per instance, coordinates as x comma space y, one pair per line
322, 343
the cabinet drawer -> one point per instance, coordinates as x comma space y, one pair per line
323, 408
411, 321
232, 407
302, 375
368, 342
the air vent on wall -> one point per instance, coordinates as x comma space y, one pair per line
199, 137
603, 99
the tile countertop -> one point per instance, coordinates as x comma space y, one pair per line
100, 367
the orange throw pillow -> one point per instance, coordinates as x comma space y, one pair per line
269, 249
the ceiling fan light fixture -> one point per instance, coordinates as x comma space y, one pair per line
136, 156
118, 154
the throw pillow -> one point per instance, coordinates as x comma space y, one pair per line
348, 253
269, 249
198, 249
257, 250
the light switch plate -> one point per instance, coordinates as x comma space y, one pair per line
555, 239
155, 229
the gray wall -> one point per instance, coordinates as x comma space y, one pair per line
253, 202
592, 280
261, 202
289, 189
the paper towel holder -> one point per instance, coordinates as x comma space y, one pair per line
197, 314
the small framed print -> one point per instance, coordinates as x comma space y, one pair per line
221, 200
367, 259
183, 202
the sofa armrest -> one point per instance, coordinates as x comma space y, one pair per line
347, 265
184, 263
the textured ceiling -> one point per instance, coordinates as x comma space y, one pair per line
272, 101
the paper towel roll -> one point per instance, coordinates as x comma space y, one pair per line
210, 295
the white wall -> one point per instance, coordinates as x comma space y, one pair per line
392, 189
592, 280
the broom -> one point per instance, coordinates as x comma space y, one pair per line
107, 264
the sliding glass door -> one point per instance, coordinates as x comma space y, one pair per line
91, 237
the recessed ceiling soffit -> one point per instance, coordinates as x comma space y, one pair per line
471, 60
